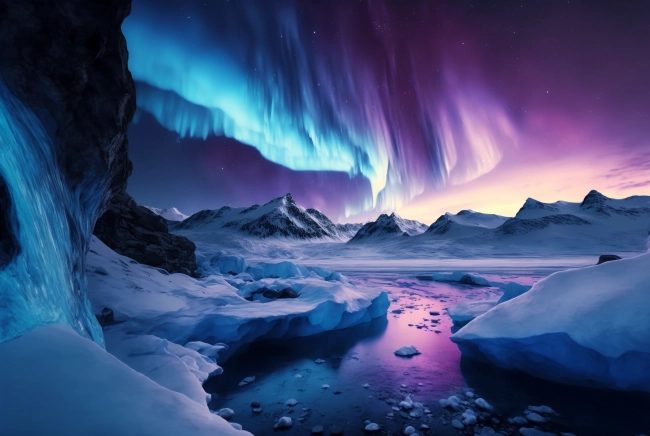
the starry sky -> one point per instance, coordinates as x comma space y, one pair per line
359, 107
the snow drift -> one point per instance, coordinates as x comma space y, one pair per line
587, 326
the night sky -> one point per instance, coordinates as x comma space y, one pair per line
361, 107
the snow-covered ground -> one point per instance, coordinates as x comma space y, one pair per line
585, 326
62, 383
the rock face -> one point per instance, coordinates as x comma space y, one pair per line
607, 258
137, 232
67, 62
66, 100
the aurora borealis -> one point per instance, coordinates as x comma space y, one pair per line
360, 107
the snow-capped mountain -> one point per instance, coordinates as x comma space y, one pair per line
171, 214
465, 223
349, 230
280, 217
559, 226
388, 226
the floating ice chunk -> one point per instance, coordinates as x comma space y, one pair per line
452, 402
536, 418
544, 410
319, 361
372, 427
291, 402
461, 277
366, 385
246, 381
284, 422
298, 376
226, 413
457, 424
469, 417
480, 402
407, 351
282, 270
325, 386
407, 403
317, 429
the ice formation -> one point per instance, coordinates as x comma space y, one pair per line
584, 326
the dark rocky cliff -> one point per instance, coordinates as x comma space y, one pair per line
140, 234
66, 62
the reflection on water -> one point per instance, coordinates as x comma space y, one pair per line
286, 369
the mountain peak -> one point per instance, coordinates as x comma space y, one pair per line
593, 198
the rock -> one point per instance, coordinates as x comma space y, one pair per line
424, 427
272, 294
409, 430
75, 80
457, 424
434, 313
226, 413
469, 417
136, 232
407, 351
105, 317
486, 431
536, 418
236, 426
291, 402
317, 429
480, 402
284, 422
607, 258
520, 420
255, 404
407, 403
452, 402
372, 427
365, 385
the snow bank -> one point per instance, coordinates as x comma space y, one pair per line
85, 390
586, 326
231, 264
170, 365
181, 309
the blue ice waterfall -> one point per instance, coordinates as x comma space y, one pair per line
45, 281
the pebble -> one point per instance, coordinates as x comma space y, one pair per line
257, 410
424, 427
246, 381
325, 386
319, 361
365, 385
520, 420
255, 404
317, 429
284, 422
298, 376
291, 402
409, 430
544, 410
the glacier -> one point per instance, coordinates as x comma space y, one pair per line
585, 326
44, 282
